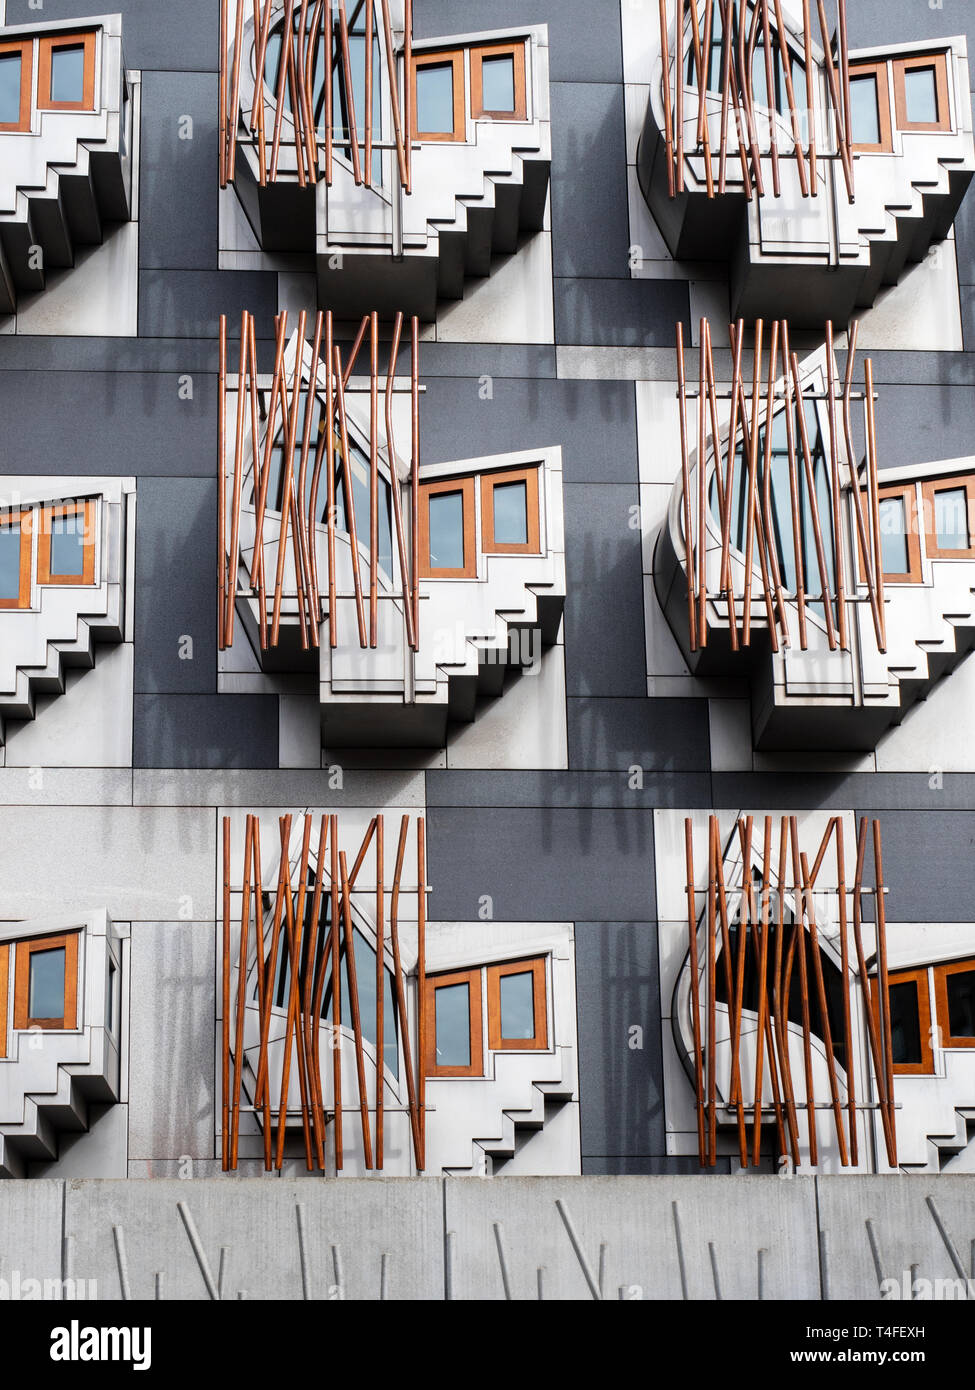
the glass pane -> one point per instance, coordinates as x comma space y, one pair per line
453, 1025
110, 998
864, 110
435, 99
9, 560
921, 96
951, 518
498, 84
893, 535
360, 500
905, 1023
511, 514
518, 1005
10, 88
68, 546
447, 530
961, 1004
46, 989
68, 73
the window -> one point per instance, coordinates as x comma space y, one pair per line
15, 543
910, 1021
498, 87
447, 547
452, 1024
870, 108
900, 548
439, 103
66, 73
16, 60
921, 93
947, 528
46, 982
66, 544
516, 1006
110, 998
954, 993
509, 512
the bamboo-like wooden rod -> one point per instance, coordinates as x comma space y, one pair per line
843, 144
347, 491
404, 1022
415, 472
827, 1032
849, 1066
231, 595
241, 992
780, 1000
336, 1001
703, 136
263, 1085
702, 498
695, 990
750, 506
225, 998
347, 85
222, 479
222, 97
356, 1018
679, 84
421, 983
394, 486
799, 940
786, 61
310, 1013
813, 499
736, 1000
871, 431
883, 984
839, 561
234, 104
398, 133
263, 999
380, 992
293, 926
689, 551
374, 479
810, 92
408, 92
763, 928
769, 89
870, 1018
711, 986
668, 110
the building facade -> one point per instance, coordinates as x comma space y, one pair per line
486, 571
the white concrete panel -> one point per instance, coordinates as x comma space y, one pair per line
30, 1219
98, 1153
552, 1150
927, 741
98, 298
523, 728
663, 654
46, 786
614, 363
731, 735
658, 431
364, 787
638, 26
90, 725
138, 863
922, 312
514, 304
172, 1016
299, 731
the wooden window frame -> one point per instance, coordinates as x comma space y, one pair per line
901, 66
920, 978
84, 39
465, 486
455, 58
489, 481
471, 978
914, 574
931, 486
68, 1021
495, 973
51, 513
26, 530
25, 47
4, 992
878, 71
515, 51
941, 972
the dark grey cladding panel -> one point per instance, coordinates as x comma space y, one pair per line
620, 1063
927, 864
178, 175
663, 735
540, 864
175, 596
188, 303
553, 790
604, 624
206, 731
873, 22
965, 238
168, 355
920, 423
646, 1165
593, 421
837, 791
180, 35
621, 313
486, 359
585, 42
590, 213
107, 422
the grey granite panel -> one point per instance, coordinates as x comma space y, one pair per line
184, 36
206, 731
531, 361
918, 423
927, 864
590, 212
178, 176
620, 1064
107, 422
31, 1222
540, 864
604, 606
581, 50
621, 313
593, 421
552, 790
837, 790
176, 596
188, 303
646, 1166
663, 735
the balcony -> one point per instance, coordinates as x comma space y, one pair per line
397, 168
821, 197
